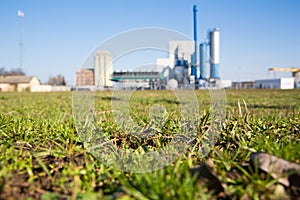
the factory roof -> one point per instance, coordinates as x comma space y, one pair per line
15, 79
135, 75
86, 70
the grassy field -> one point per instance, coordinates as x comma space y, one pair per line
43, 157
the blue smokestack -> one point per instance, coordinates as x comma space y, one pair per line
203, 72
194, 62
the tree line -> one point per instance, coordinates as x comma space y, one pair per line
12, 72
53, 80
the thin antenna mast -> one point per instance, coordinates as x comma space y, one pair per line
21, 15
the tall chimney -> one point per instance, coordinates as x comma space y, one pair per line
194, 62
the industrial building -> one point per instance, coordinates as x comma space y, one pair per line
243, 85
281, 83
103, 69
180, 70
85, 77
99, 77
293, 70
142, 79
188, 65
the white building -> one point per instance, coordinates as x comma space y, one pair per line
42, 88
161, 63
281, 83
18, 83
178, 49
181, 49
103, 69
224, 83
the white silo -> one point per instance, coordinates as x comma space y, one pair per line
214, 37
103, 69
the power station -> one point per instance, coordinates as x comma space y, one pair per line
180, 70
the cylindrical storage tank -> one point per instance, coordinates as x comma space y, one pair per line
214, 37
194, 72
203, 72
179, 73
180, 70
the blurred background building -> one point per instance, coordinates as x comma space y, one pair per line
85, 77
103, 69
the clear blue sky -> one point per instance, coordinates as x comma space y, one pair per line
59, 34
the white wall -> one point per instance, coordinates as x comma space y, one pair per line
5, 87
61, 88
282, 83
162, 63
41, 88
224, 83
287, 83
268, 84
50, 88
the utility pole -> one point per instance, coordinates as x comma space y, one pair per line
21, 15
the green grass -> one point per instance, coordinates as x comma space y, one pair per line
42, 155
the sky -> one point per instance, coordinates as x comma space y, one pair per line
58, 35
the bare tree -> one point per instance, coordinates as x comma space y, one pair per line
2, 71
57, 80
12, 72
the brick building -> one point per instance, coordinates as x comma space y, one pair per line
85, 77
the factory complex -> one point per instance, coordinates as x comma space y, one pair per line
181, 70
189, 65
